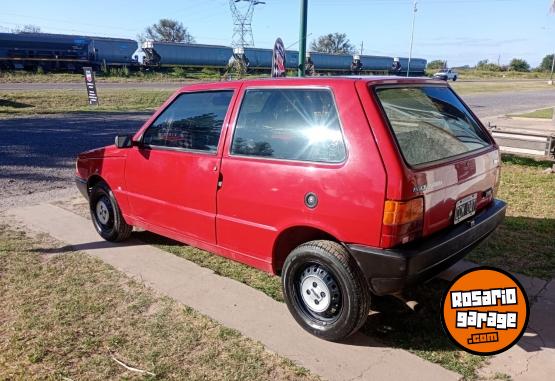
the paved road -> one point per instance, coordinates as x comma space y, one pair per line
37, 154
502, 103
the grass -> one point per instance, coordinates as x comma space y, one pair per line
60, 101
112, 77
499, 86
525, 242
176, 74
544, 113
473, 74
65, 316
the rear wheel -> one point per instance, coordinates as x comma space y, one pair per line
106, 215
325, 290
454, 78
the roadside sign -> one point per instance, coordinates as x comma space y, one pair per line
91, 86
278, 60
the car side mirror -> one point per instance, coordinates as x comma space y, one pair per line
124, 141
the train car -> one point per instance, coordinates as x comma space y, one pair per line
112, 51
63, 52
158, 53
417, 66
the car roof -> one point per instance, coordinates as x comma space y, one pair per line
317, 81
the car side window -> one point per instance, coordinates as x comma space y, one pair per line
192, 121
290, 124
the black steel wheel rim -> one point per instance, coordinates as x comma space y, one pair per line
318, 293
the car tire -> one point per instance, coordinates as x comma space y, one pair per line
106, 215
454, 78
325, 290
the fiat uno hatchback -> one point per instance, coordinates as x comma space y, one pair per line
346, 187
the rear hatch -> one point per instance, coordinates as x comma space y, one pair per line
446, 157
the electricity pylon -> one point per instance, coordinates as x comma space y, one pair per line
242, 22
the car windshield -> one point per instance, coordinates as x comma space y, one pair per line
430, 123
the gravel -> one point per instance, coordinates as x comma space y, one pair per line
37, 154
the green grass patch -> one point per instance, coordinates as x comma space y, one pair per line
65, 316
499, 86
544, 113
61, 101
525, 242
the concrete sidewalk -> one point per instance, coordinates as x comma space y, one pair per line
234, 304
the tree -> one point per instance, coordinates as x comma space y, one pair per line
546, 63
436, 65
167, 30
485, 65
518, 64
336, 43
29, 28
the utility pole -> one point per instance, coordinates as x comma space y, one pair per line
412, 37
302, 38
552, 67
242, 22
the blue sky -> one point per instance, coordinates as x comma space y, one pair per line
460, 31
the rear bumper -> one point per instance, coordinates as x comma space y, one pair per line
391, 270
81, 184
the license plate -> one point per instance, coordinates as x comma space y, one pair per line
465, 207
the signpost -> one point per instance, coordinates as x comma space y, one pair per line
91, 86
302, 38
279, 68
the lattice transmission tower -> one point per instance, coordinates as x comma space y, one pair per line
242, 12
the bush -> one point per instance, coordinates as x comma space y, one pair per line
546, 63
485, 65
179, 72
518, 64
436, 65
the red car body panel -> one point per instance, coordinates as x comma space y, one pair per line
238, 206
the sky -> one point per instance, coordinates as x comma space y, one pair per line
459, 31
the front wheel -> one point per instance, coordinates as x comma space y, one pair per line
454, 78
106, 215
325, 290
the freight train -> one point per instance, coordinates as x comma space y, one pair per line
58, 52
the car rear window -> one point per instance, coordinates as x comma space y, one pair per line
290, 124
430, 123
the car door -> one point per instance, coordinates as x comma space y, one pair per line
171, 176
288, 144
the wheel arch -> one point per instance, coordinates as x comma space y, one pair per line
291, 237
93, 180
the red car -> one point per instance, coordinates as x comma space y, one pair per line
346, 187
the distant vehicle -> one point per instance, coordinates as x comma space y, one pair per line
447, 74
346, 187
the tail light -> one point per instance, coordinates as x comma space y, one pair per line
402, 221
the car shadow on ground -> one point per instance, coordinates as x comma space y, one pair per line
13, 104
